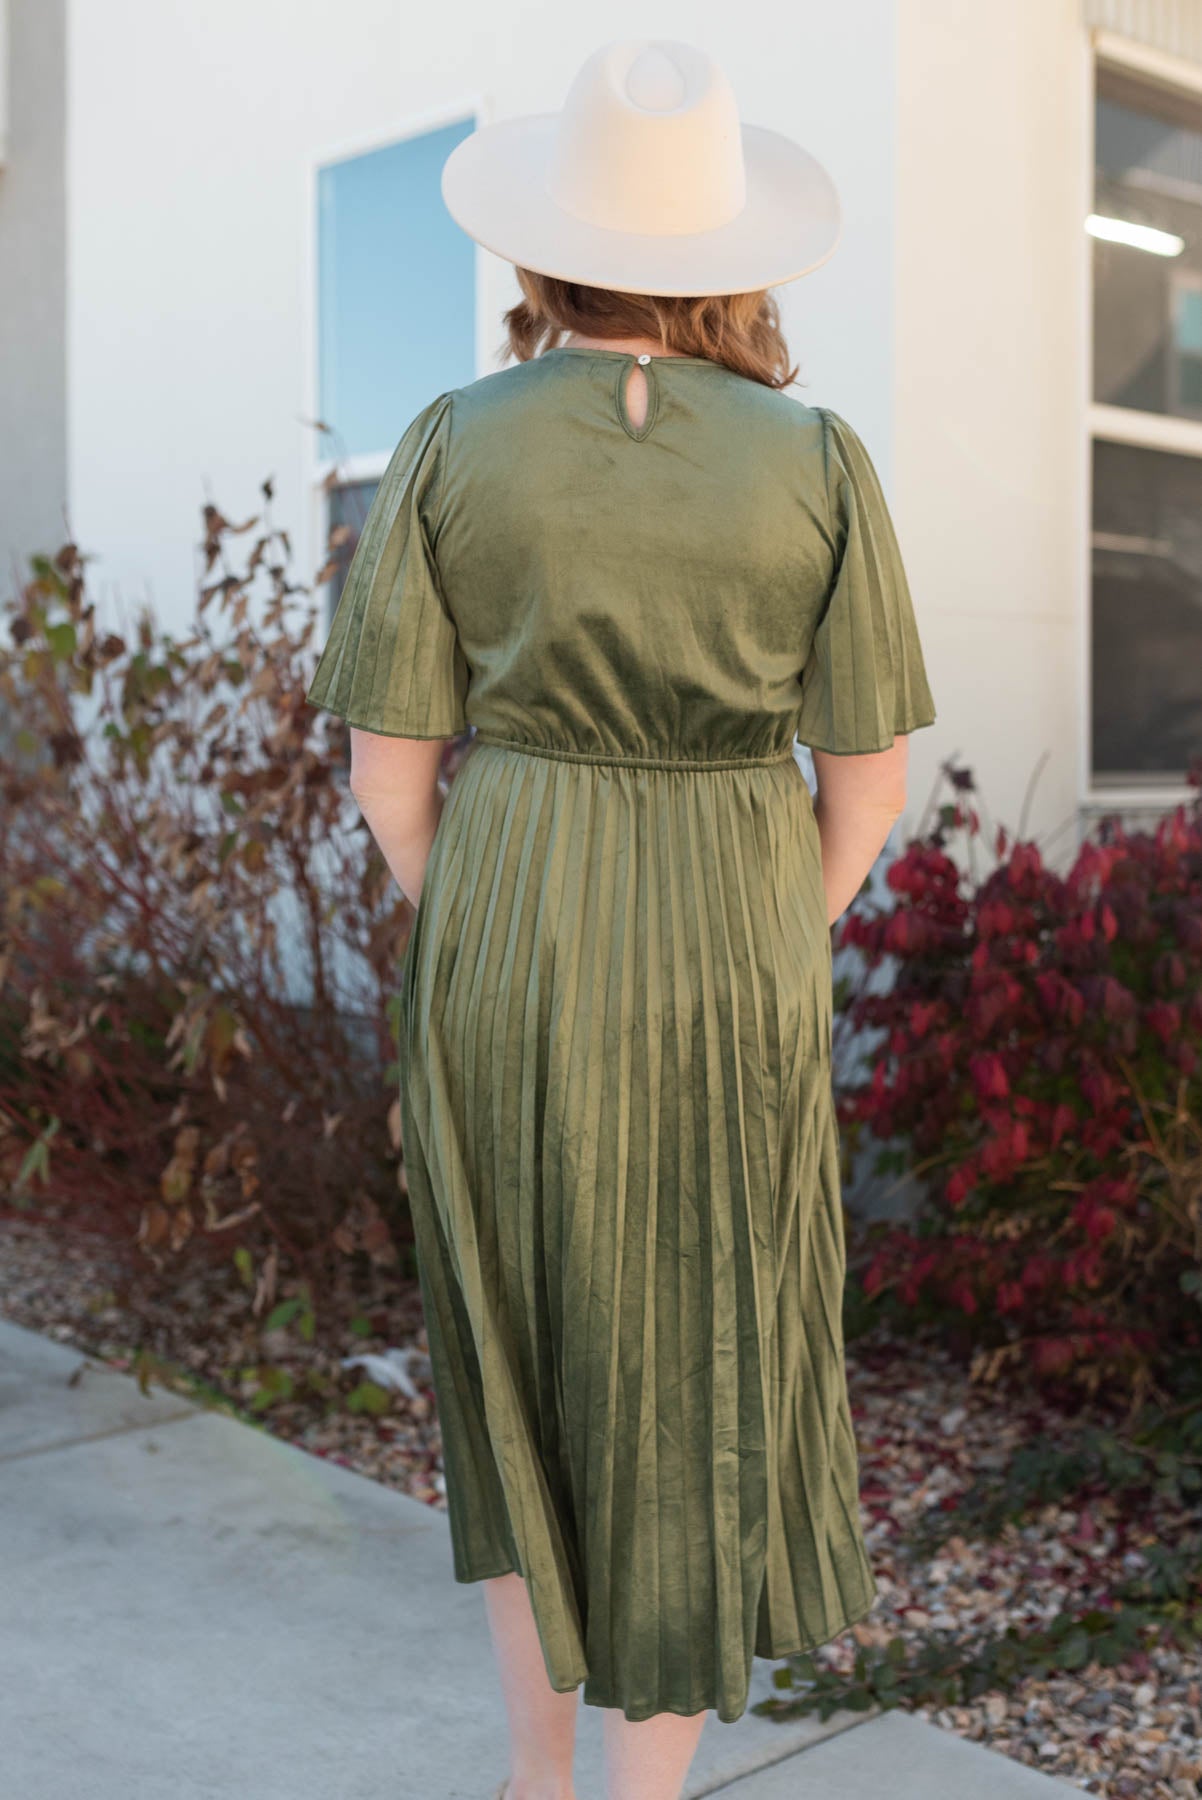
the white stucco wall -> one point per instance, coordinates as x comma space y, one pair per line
991, 384
193, 132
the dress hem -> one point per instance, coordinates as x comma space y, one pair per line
363, 723
916, 721
637, 1714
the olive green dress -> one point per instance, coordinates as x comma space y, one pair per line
617, 1116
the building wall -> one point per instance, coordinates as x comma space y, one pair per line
194, 132
33, 414
951, 326
991, 386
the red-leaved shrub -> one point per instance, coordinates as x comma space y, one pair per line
1040, 1065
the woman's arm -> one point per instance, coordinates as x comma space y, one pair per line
858, 800
395, 782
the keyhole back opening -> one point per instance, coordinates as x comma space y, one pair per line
637, 396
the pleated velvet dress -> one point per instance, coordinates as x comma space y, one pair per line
616, 1106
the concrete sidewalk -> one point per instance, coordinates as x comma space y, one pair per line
189, 1606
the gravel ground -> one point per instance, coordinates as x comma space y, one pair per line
924, 1434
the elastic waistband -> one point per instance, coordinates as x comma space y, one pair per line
635, 762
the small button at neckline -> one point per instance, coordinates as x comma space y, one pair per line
644, 358
626, 355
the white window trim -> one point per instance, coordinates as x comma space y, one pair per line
1152, 431
347, 470
1135, 58
1124, 424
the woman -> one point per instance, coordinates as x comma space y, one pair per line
639, 570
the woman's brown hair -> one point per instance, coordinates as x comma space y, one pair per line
741, 330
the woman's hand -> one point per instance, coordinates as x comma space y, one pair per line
395, 782
858, 801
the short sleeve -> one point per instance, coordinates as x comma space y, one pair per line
864, 681
393, 662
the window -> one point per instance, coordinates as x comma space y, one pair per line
1146, 616
1147, 612
349, 504
396, 318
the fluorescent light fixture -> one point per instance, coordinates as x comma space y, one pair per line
1139, 237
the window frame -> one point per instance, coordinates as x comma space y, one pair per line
323, 471
1123, 424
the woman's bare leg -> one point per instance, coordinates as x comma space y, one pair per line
645, 1759
542, 1723
648, 1759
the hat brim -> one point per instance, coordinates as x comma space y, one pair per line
494, 187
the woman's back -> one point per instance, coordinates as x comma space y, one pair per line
649, 591
652, 593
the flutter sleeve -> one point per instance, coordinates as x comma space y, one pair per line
864, 681
393, 662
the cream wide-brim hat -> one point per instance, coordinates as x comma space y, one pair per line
646, 182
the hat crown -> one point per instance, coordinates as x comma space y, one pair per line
649, 140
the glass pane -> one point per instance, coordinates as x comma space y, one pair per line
396, 291
1147, 613
1147, 248
349, 506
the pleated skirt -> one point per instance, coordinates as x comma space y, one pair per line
622, 1160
